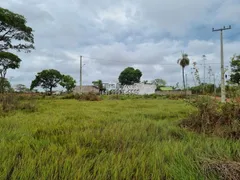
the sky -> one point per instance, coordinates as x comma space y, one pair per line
112, 35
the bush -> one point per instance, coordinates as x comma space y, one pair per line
12, 102
176, 96
88, 97
213, 117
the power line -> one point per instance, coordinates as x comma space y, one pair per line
108, 60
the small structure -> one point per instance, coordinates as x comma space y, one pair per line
86, 89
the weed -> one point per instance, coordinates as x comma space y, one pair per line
214, 118
69, 139
89, 97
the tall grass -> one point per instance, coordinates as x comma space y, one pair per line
131, 139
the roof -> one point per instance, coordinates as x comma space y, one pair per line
167, 88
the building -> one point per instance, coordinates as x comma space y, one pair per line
86, 89
111, 86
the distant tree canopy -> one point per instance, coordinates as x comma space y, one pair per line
183, 62
21, 88
159, 82
130, 76
13, 29
235, 68
68, 83
99, 84
47, 79
50, 78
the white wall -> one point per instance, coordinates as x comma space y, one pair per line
139, 88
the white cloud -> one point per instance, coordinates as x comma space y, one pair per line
148, 35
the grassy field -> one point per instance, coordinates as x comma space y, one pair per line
110, 139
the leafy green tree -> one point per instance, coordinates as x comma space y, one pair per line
5, 85
159, 82
21, 88
130, 76
145, 81
13, 29
7, 61
99, 84
47, 79
68, 82
183, 61
235, 68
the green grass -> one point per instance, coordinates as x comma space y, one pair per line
110, 139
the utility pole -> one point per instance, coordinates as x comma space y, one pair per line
223, 95
80, 74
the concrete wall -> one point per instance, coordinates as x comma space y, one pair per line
139, 88
85, 89
173, 92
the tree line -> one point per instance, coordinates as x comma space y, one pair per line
16, 36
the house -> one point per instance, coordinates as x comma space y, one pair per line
86, 89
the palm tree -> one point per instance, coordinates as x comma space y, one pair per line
183, 61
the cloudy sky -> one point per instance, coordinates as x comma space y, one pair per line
112, 35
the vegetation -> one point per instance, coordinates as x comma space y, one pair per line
132, 139
99, 84
5, 85
13, 28
183, 62
130, 76
159, 82
47, 79
7, 61
21, 88
235, 68
68, 82
216, 118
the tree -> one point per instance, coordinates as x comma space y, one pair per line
47, 79
7, 61
130, 76
183, 61
68, 82
145, 81
21, 88
99, 84
13, 28
5, 85
235, 68
159, 82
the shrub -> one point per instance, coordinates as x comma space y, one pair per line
214, 117
88, 97
12, 102
9, 102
